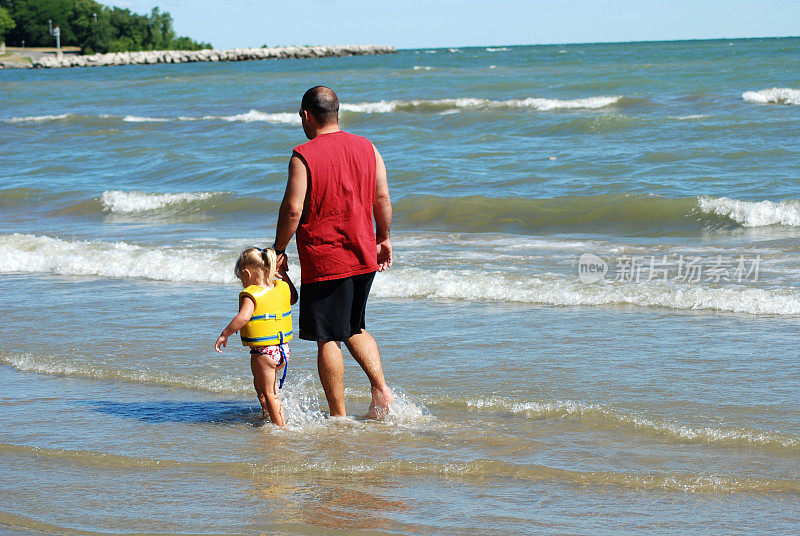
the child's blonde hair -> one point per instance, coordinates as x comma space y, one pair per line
264, 261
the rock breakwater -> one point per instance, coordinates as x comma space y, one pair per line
189, 56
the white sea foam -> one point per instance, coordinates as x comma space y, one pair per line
470, 286
132, 202
140, 119
300, 397
412, 241
753, 213
496, 49
247, 117
776, 95
256, 116
36, 118
688, 117
554, 104
26, 253
535, 103
381, 107
595, 413
422, 68
407, 412
64, 366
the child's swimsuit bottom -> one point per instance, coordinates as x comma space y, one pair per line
273, 353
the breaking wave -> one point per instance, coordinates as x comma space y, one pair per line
448, 284
247, 117
619, 214
291, 118
250, 116
776, 95
753, 213
534, 103
26, 253
300, 397
68, 367
138, 119
131, 202
37, 118
598, 415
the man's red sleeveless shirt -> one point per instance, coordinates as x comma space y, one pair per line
336, 237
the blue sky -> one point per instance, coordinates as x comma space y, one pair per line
442, 23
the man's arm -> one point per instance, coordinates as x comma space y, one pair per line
292, 205
382, 212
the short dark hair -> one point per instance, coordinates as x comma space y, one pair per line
322, 103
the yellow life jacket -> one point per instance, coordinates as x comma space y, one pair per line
271, 322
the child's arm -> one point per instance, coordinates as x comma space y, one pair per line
283, 274
238, 322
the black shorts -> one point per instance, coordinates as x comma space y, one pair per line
334, 310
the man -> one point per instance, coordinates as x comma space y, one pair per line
337, 184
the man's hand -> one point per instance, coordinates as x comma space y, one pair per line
282, 265
282, 269
222, 341
384, 255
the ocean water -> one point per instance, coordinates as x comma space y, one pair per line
591, 324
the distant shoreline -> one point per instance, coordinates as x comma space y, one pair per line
153, 57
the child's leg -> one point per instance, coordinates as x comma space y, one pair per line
259, 382
276, 397
264, 370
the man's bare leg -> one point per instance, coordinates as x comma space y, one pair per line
330, 365
365, 351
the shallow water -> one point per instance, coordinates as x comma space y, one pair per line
529, 401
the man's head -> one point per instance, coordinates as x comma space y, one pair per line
318, 109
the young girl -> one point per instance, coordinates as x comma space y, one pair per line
265, 322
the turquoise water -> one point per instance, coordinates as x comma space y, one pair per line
533, 397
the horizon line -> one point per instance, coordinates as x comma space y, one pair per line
633, 41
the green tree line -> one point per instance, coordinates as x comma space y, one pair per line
89, 25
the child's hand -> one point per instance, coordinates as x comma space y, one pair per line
222, 341
282, 272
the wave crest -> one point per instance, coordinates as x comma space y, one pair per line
597, 415
37, 118
25, 253
247, 117
753, 213
535, 103
776, 95
120, 202
549, 290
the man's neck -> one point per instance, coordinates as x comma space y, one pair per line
327, 129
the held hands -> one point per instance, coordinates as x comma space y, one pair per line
384, 255
283, 266
222, 341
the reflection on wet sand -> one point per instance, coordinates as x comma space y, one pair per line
334, 503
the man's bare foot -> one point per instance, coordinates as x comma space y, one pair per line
381, 399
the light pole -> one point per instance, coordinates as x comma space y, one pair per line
56, 32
